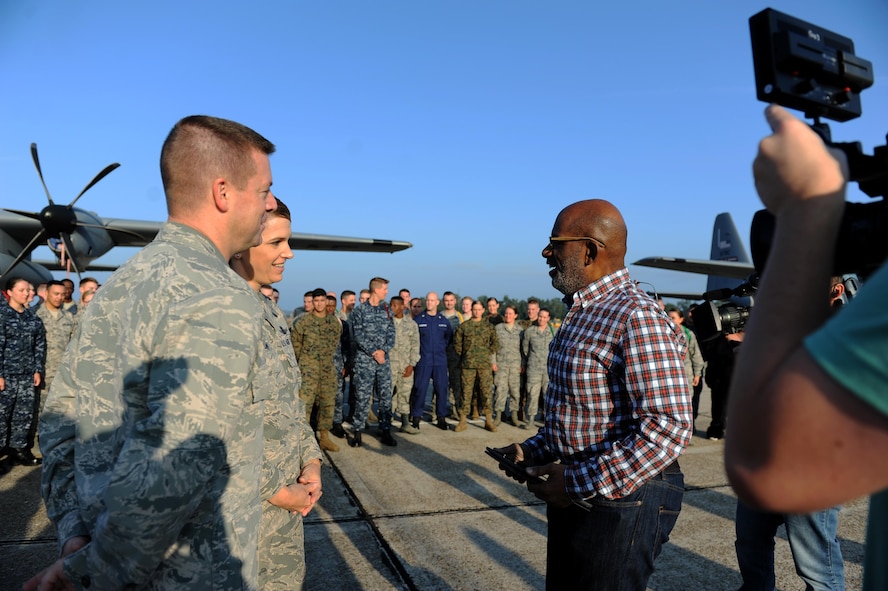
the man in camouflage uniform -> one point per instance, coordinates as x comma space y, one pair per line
535, 347
158, 406
315, 338
373, 331
475, 343
59, 324
507, 367
404, 356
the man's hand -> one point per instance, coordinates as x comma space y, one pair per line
408, 372
552, 490
53, 578
794, 166
379, 356
38, 379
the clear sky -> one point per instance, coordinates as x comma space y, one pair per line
462, 127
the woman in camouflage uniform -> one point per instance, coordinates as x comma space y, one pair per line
22, 357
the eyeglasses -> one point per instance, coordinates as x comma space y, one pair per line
554, 239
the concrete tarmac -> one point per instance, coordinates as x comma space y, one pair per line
436, 513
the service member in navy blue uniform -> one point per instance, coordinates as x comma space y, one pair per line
435, 335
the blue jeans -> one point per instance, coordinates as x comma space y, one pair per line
812, 538
612, 547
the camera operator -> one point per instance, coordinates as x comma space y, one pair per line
809, 398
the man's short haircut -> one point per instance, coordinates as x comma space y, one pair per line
281, 210
377, 282
309, 294
363, 291
447, 293
54, 282
200, 149
345, 294
546, 310
533, 301
275, 290
398, 298
331, 299
319, 292
88, 280
464, 298
67, 281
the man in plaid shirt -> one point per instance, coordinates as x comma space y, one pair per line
617, 413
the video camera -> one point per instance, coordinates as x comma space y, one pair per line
711, 321
808, 68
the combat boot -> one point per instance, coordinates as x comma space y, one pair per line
497, 418
461, 426
488, 422
474, 414
325, 442
337, 430
406, 427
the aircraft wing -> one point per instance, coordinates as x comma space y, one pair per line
732, 269
140, 233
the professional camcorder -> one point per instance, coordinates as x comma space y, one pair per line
711, 320
808, 68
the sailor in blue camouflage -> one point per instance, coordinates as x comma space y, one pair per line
152, 434
373, 332
22, 359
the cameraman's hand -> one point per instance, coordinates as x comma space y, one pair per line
794, 167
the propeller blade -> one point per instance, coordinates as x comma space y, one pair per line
28, 214
40, 172
100, 176
69, 249
115, 230
38, 237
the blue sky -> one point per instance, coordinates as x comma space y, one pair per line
462, 127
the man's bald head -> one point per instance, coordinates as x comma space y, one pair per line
588, 242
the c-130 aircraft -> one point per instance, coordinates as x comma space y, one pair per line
78, 237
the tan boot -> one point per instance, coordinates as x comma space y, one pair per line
371, 417
475, 414
488, 421
461, 426
325, 442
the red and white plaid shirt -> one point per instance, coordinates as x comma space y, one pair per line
618, 407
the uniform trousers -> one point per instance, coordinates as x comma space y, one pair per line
425, 372
17, 404
370, 377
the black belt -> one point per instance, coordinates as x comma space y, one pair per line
672, 468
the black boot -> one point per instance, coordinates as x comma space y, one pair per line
355, 440
24, 457
337, 430
442, 424
387, 438
415, 422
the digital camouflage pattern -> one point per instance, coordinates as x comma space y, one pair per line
314, 345
372, 330
405, 353
158, 411
289, 445
535, 348
476, 344
59, 329
22, 354
508, 367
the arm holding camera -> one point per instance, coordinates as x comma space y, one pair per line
799, 438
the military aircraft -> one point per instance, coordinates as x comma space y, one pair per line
728, 266
78, 236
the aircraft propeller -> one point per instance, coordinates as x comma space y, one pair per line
57, 221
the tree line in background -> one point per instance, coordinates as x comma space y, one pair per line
556, 307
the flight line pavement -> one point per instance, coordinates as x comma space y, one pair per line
436, 513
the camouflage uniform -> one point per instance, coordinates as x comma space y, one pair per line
59, 328
508, 368
22, 354
158, 410
289, 446
405, 353
453, 373
535, 346
476, 345
372, 330
314, 344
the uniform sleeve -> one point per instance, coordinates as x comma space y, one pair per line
298, 337
39, 346
656, 383
202, 363
413, 356
695, 355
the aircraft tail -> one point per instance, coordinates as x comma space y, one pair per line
726, 246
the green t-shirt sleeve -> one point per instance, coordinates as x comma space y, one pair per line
853, 346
